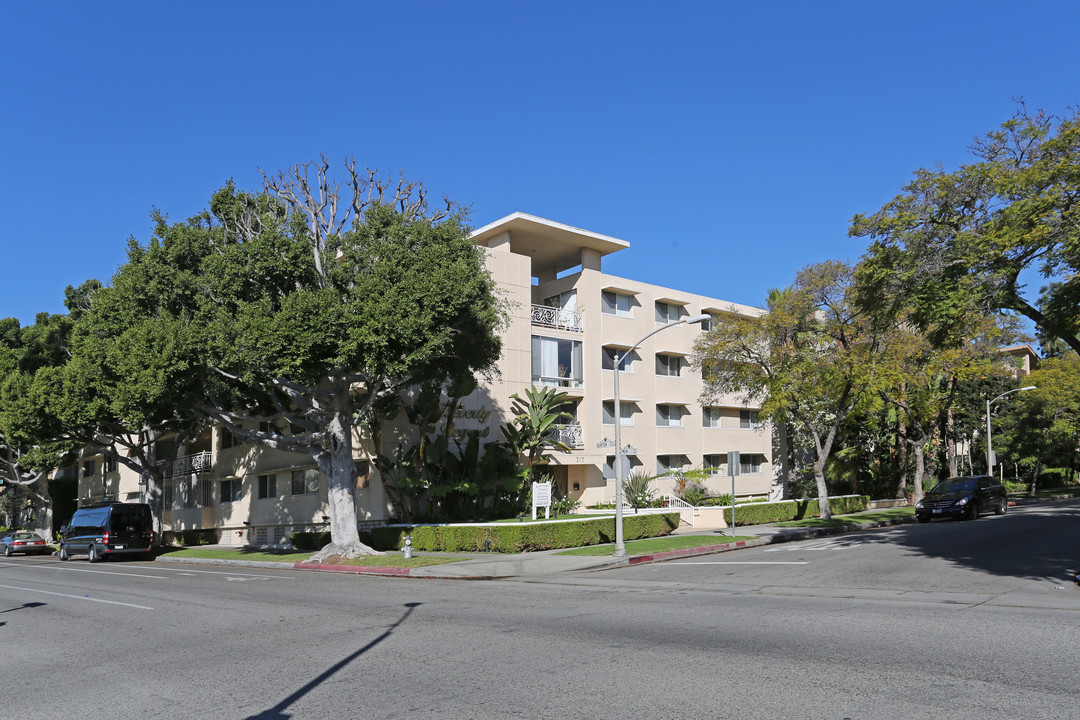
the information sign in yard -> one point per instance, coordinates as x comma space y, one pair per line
541, 493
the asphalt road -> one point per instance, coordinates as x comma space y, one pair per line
957, 620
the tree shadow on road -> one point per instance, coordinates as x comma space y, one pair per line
277, 712
1037, 543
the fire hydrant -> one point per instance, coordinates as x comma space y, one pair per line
407, 549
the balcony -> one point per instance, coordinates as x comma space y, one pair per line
191, 465
557, 318
572, 436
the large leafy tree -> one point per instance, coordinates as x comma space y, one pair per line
32, 443
810, 360
306, 304
1041, 428
953, 243
922, 381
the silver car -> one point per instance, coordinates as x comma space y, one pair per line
22, 541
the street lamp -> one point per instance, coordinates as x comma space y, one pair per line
620, 546
989, 442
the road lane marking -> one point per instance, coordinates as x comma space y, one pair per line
68, 568
77, 597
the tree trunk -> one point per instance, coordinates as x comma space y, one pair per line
338, 466
920, 469
823, 491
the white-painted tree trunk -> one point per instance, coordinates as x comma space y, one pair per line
337, 465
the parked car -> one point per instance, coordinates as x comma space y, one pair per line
23, 541
963, 498
103, 530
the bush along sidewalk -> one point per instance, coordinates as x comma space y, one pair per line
511, 538
771, 512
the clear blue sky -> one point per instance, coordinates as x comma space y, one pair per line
729, 143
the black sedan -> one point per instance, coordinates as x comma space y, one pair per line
23, 542
963, 498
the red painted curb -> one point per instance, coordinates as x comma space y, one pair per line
685, 552
353, 569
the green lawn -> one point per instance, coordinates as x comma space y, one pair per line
393, 559
1071, 490
656, 545
845, 520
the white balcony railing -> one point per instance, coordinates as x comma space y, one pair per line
192, 464
558, 318
570, 435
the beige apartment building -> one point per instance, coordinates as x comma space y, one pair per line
569, 320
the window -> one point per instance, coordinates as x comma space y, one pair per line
707, 325
668, 463
749, 464
629, 463
748, 420
669, 415
228, 440
615, 304
565, 300
267, 486
363, 472
88, 467
266, 427
556, 362
167, 495
710, 417
669, 365
305, 482
206, 492
714, 464
231, 490
626, 410
108, 464
608, 360
667, 312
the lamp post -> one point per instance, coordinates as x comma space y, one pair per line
989, 440
620, 546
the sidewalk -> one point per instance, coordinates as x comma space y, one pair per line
546, 563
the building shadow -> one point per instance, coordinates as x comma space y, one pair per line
277, 712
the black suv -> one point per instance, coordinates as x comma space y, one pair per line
963, 498
102, 530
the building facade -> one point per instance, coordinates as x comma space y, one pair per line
568, 322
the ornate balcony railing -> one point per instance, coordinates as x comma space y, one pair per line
558, 318
570, 435
192, 464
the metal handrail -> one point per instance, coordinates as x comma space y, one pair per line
558, 318
192, 464
686, 510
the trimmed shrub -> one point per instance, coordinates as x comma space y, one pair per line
309, 540
522, 537
763, 513
195, 537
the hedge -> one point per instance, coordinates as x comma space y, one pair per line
763, 513
522, 537
309, 540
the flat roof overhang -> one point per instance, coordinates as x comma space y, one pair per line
551, 245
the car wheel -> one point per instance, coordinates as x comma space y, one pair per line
63, 553
93, 554
7, 551
973, 513
1002, 507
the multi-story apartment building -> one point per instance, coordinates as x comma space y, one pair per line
569, 320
